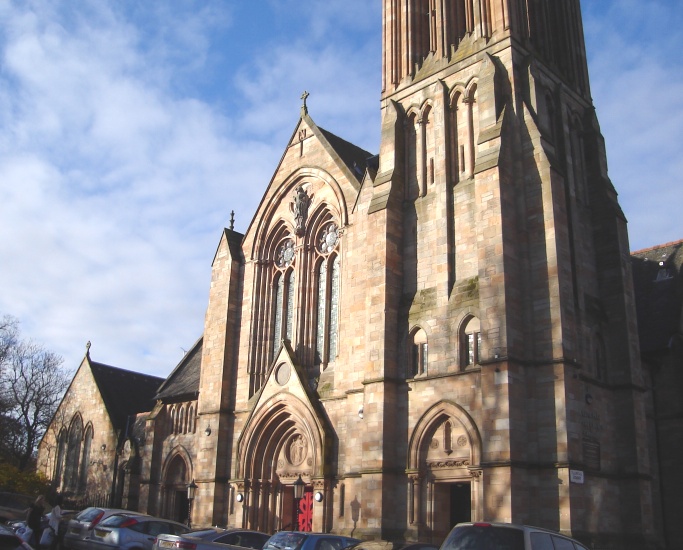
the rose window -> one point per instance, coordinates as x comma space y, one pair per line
329, 239
285, 254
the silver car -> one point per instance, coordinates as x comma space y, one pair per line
494, 536
131, 531
212, 539
81, 526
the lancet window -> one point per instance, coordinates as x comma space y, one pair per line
327, 306
470, 342
283, 290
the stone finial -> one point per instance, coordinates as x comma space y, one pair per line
304, 107
87, 349
232, 220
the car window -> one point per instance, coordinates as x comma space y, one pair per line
254, 540
230, 538
177, 529
155, 528
561, 543
484, 537
541, 541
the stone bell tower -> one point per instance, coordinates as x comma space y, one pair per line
516, 286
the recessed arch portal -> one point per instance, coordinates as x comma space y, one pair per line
283, 440
444, 470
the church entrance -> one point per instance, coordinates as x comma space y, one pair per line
452, 505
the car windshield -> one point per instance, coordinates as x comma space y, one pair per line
285, 541
484, 537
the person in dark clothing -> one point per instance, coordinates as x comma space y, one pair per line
35, 513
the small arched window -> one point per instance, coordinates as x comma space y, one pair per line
419, 350
181, 420
470, 343
191, 424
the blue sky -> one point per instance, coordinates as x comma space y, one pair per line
129, 130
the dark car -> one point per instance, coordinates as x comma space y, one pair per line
213, 539
299, 540
10, 541
80, 527
131, 531
506, 536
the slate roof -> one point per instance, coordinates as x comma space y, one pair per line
355, 158
183, 382
124, 392
658, 285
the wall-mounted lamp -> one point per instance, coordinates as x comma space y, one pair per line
207, 432
360, 413
239, 497
318, 497
103, 447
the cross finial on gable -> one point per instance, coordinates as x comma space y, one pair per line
304, 108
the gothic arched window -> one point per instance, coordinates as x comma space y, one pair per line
73, 454
327, 296
85, 459
418, 353
61, 457
283, 308
470, 343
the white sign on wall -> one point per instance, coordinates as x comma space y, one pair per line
576, 476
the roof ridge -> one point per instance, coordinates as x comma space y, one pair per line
656, 247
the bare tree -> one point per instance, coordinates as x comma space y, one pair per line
32, 383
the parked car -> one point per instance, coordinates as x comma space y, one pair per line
9, 540
212, 539
299, 540
508, 536
131, 531
80, 527
388, 545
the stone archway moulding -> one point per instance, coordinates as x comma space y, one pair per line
443, 409
270, 427
286, 188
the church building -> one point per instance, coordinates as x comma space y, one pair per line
440, 332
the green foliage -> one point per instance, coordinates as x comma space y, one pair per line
13, 480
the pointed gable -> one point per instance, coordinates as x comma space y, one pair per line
183, 382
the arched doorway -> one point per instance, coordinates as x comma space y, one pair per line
282, 443
175, 504
444, 472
